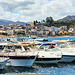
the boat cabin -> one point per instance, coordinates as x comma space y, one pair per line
13, 48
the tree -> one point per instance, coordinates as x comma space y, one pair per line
49, 20
43, 20
34, 22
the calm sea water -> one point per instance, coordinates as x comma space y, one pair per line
53, 69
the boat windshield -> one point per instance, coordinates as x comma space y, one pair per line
44, 46
17, 47
27, 48
9, 47
47, 46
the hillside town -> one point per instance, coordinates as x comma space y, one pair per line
17, 30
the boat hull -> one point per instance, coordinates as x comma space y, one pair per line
47, 60
21, 61
3, 63
67, 58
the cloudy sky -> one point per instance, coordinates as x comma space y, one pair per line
30, 10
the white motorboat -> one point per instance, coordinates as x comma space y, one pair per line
3, 62
18, 56
46, 56
68, 52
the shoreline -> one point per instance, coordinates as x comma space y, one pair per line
57, 37
39, 37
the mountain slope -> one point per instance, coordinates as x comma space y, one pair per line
7, 22
67, 18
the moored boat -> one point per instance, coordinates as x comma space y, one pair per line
47, 57
68, 51
18, 56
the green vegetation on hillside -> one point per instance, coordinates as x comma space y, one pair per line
50, 22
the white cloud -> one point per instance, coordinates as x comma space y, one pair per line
30, 10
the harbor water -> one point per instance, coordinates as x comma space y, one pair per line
53, 69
